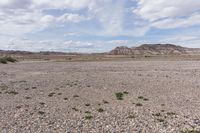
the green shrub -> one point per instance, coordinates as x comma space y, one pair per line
131, 116
160, 120
171, 113
140, 97
119, 95
146, 99
100, 110
138, 104
10, 59
11, 92
126, 92
87, 104
88, 117
5, 60
190, 131
105, 102
87, 112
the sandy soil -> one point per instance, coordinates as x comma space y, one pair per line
76, 97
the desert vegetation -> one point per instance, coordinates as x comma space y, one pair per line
6, 59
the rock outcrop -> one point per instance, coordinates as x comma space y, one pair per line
153, 49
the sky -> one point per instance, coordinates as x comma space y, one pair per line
97, 25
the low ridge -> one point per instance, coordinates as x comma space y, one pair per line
153, 49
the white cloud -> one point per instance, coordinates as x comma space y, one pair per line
47, 19
70, 17
50, 20
62, 4
78, 44
15, 4
190, 40
110, 14
166, 14
177, 22
78, 4
18, 17
17, 43
24, 44
154, 10
118, 42
71, 34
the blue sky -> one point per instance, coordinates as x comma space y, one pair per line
97, 25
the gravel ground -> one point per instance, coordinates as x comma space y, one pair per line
100, 97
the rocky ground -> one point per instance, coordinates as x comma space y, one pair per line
100, 97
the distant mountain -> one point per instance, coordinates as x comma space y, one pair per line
145, 49
13, 52
154, 49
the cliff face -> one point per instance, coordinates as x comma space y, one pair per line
122, 51
152, 49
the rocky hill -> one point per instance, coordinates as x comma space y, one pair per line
153, 49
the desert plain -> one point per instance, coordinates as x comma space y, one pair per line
107, 96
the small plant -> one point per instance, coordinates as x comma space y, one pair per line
27, 97
59, 94
88, 117
12, 92
126, 92
76, 96
171, 113
100, 110
157, 114
87, 112
146, 99
87, 104
147, 56
10, 59
75, 109
65, 98
3, 61
138, 104
119, 95
140, 97
160, 120
41, 112
88, 86
34, 87
41, 103
105, 102
18, 107
190, 131
51, 94
131, 116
